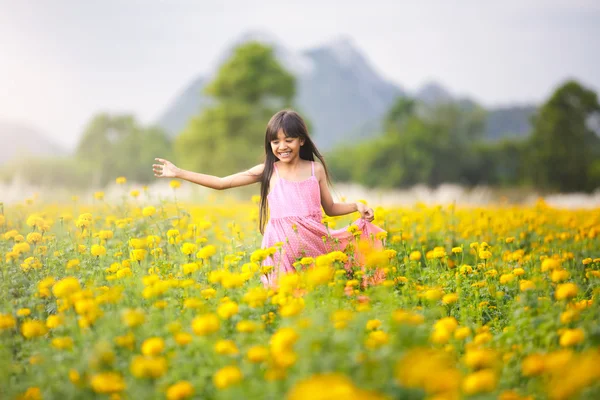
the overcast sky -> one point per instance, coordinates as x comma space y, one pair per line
62, 61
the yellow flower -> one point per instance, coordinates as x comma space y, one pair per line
7, 321
533, 365
329, 386
227, 376
525, 285
183, 338
62, 343
373, 324
32, 393
33, 329
482, 381
462, 333
205, 324
226, 347
189, 248
457, 250
98, 250
206, 252
133, 318
376, 339
148, 367
571, 337
227, 309
566, 291
148, 211
121, 180
23, 312
559, 275
479, 358
450, 298
153, 346
180, 390
257, 354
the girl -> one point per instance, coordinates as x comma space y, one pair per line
293, 188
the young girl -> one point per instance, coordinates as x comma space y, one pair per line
293, 188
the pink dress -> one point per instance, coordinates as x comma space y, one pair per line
295, 221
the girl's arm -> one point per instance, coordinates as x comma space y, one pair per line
333, 209
168, 170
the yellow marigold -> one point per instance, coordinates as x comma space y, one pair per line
153, 346
182, 389
205, 324
559, 275
133, 317
533, 365
148, 211
98, 250
62, 343
450, 298
7, 321
571, 337
32, 329
525, 285
148, 366
66, 287
227, 309
376, 339
566, 291
32, 393
226, 347
482, 381
189, 248
415, 255
480, 358
373, 324
462, 332
257, 354
506, 278
227, 376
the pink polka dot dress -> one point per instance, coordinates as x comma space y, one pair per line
295, 221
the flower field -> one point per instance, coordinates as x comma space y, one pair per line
148, 299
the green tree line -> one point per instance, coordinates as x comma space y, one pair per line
419, 144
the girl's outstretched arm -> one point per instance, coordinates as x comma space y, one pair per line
333, 209
168, 170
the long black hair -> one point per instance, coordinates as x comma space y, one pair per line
292, 125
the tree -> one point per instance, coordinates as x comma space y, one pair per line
229, 136
563, 146
117, 145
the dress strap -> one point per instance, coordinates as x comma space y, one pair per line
312, 165
276, 170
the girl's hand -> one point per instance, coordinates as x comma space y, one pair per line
365, 212
165, 170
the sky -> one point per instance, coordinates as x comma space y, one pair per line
63, 61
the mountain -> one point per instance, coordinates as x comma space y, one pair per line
339, 91
19, 140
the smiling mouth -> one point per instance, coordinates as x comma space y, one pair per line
284, 154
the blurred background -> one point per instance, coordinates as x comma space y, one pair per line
405, 99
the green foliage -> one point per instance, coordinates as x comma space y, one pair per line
229, 136
563, 148
117, 145
422, 144
445, 143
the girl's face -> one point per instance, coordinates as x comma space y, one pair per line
286, 149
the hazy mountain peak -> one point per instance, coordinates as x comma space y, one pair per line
293, 61
344, 49
19, 139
